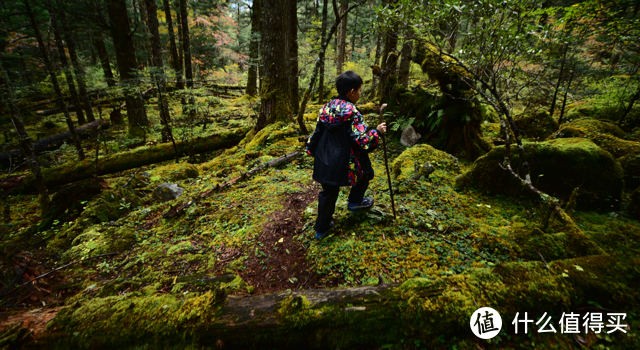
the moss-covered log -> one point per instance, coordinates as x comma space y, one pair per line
113, 163
370, 316
54, 142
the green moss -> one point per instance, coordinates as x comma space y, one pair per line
537, 125
557, 167
489, 114
403, 167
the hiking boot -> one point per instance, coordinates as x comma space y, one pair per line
320, 235
365, 204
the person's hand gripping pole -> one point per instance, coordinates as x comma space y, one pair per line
382, 128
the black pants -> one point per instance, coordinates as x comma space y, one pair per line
327, 202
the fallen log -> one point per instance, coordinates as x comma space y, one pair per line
54, 142
113, 163
47, 112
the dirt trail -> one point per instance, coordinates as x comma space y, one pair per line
281, 262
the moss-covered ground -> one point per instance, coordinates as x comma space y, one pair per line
452, 248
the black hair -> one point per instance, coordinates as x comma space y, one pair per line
347, 81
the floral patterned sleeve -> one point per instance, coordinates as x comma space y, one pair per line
367, 138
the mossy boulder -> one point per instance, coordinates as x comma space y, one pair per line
101, 239
368, 108
588, 111
602, 133
557, 167
269, 134
634, 205
186, 171
537, 125
589, 128
631, 165
407, 166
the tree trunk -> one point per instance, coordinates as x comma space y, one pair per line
627, 110
163, 106
127, 63
252, 74
179, 43
323, 30
184, 17
65, 63
25, 144
560, 76
98, 42
342, 37
564, 101
405, 63
121, 161
176, 63
54, 80
275, 90
376, 62
293, 53
77, 68
388, 65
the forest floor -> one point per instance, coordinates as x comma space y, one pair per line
256, 237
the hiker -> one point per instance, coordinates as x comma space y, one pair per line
340, 145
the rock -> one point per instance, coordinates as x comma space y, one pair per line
187, 171
411, 163
602, 133
537, 125
167, 192
634, 207
557, 166
631, 165
409, 136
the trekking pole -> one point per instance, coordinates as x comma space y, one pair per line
386, 163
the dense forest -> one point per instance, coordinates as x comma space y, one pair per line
157, 187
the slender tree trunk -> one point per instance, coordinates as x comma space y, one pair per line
103, 55
376, 62
176, 63
179, 43
564, 101
127, 63
323, 30
25, 144
560, 76
342, 38
188, 72
156, 51
77, 67
65, 64
275, 90
54, 80
405, 63
252, 74
293, 53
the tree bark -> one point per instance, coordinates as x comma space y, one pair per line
405, 63
560, 76
323, 30
54, 80
127, 63
176, 63
25, 144
121, 161
293, 53
342, 38
65, 63
98, 42
254, 46
376, 62
275, 90
77, 68
152, 23
564, 100
184, 17
179, 44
